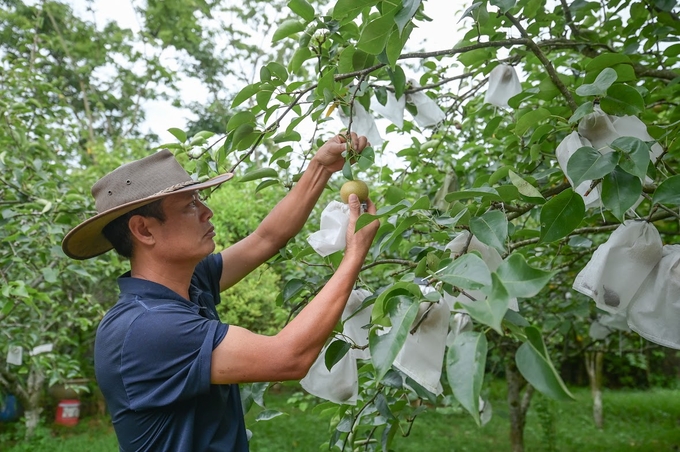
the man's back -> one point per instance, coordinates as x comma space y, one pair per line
152, 361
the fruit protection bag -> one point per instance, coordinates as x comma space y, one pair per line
503, 84
362, 123
332, 235
654, 312
429, 113
570, 144
354, 320
422, 355
338, 385
393, 110
459, 322
489, 255
618, 266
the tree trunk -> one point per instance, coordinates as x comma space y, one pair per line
33, 409
518, 404
594, 367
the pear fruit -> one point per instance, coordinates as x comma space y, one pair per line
357, 187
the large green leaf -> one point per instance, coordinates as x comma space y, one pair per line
636, 157
588, 163
303, 9
620, 191
561, 215
622, 99
668, 192
491, 309
491, 229
535, 366
599, 87
242, 117
288, 27
525, 188
520, 279
259, 173
530, 119
469, 271
374, 36
335, 352
384, 348
484, 192
406, 13
349, 9
465, 367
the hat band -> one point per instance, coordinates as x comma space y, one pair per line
176, 187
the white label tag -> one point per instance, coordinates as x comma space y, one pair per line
15, 355
44, 348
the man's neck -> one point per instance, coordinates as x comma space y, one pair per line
173, 276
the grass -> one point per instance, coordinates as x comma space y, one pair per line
634, 421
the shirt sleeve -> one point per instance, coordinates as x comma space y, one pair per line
167, 355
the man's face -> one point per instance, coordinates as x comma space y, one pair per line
187, 233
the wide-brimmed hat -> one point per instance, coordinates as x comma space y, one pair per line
126, 188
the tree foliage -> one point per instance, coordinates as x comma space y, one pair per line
276, 73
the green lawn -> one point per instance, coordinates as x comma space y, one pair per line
634, 421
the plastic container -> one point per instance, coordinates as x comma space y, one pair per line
9, 408
68, 412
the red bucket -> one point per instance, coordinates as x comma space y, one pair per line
68, 412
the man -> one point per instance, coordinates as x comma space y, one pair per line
168, 368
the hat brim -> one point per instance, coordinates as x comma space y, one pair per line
86, 240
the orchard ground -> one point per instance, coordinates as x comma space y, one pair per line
634, 421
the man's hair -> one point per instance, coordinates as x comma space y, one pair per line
118, 232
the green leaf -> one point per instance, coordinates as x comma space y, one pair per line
636, 154
535, 366
303, 9
180, 134
242, 117
606, 60
525, 188
384, 348
406, 13
259, 173
374, 36
349, 9
599, 87
364, 219
484, 192
362, 60
301, 55
520, 279
266, 183
668, 192
503, 5
531, 119
588, 163
465, 367
266, 415
584, 109
335, 352
620, 191
492, 308
469, 271
288, 27
622, 100
241, 132
561, 215
246, 93
491, 229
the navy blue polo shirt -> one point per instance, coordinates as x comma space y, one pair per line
152, 361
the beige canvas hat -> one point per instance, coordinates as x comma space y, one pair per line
124, 189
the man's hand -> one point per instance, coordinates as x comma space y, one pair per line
330, 155
360, 242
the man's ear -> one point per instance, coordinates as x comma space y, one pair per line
139, 228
